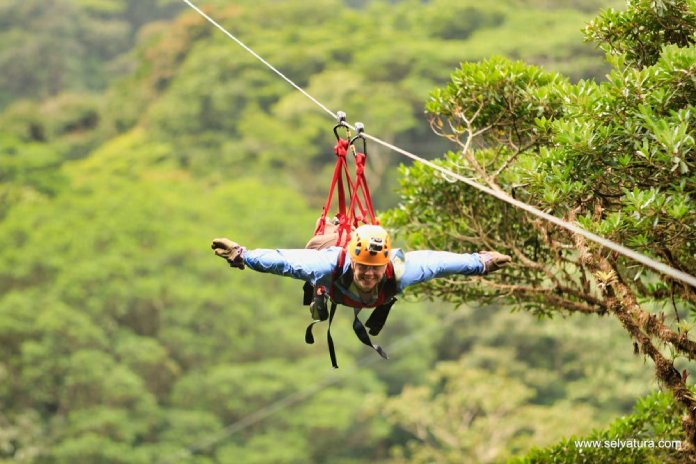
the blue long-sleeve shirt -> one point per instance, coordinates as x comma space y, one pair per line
317, 266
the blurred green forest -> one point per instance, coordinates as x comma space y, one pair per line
132, 132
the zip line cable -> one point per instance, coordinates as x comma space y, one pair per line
656, 265
302, 395
639, 257
260, 58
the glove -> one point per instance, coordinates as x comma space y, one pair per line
229, 250
492, 260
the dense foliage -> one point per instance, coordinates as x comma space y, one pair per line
69, 45
133, 132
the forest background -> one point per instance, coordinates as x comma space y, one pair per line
132, 133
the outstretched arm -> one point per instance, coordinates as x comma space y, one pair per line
421, 266
307, 265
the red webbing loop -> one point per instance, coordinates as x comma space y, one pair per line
340, 180
359, 209
367, 211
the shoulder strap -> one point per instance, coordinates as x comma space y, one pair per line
334, 294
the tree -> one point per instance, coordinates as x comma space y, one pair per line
50, 47
617, 157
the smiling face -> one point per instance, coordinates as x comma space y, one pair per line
366, 277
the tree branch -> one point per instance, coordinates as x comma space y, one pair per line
549, 295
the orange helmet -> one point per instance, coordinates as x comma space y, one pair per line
370, 245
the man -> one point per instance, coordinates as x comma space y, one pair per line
369, 268
367, 273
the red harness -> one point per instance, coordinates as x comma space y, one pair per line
358, 210
360, 207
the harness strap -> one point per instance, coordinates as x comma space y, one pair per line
379, 316
308, 337
360, 331
339, 182
367, 212
329, 340
307, 294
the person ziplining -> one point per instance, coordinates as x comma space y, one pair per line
355, 265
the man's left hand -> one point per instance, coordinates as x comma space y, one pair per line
492, 261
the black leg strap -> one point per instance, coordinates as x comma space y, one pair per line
317, 306
361, 332
358, 328
332, 351
379, 316
308, 337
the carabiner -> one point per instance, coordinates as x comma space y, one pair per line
341, 116
359, 128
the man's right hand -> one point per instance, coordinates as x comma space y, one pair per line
230, 251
